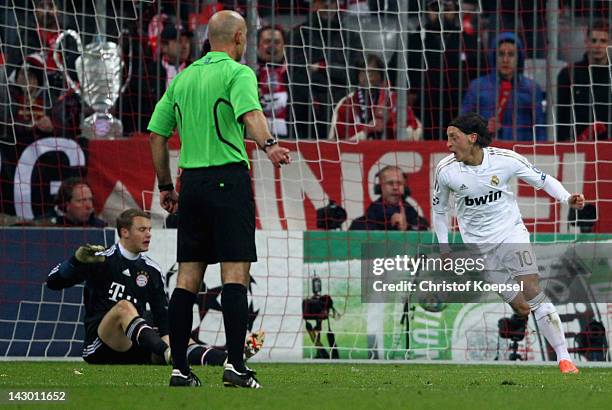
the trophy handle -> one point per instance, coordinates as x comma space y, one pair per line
57, 54
129, 74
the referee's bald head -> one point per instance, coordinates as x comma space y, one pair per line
227, 28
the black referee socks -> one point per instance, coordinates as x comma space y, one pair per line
180, 318
235, 318
143, 335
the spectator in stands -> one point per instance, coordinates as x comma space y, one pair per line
29, 111
170, 47
319, 53
272, 78
23, 104
370, 112
441, 65
584, 91
394, 210
175, 52
66, 114
48, 29
74, 206
511, 102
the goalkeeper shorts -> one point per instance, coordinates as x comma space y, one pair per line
99, 353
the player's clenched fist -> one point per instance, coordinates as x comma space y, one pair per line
576, 201
87, 254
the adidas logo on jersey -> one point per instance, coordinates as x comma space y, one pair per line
481, 200
463, 187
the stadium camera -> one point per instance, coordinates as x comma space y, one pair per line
318, 308
316, 285
513, 328
592, 342
583, 218
331, 216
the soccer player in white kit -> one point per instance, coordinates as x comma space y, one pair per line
488, 215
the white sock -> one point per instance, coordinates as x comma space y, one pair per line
549, 324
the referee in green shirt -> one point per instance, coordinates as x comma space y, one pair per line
211, 103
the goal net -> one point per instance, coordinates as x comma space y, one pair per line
350, 87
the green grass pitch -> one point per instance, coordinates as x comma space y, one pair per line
314, 386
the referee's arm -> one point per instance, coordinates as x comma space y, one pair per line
161, 161
257, 128
161, 125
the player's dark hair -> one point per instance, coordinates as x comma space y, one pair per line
126, 219
598, 25
64, 194
472, 123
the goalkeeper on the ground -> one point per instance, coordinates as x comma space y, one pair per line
119, 282
479, 176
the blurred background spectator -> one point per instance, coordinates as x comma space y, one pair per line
272, 78
25, 102
319, 67
441, 64
370, 112
74, 206
511, 102
394, 210
584, 92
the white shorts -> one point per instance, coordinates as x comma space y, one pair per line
512, 258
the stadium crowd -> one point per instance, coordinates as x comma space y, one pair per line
313, 70
320, 77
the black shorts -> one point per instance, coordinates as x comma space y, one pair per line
217, 215
99, 353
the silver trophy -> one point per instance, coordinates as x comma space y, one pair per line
99, 71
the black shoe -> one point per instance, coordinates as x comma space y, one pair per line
179, 379
233, 378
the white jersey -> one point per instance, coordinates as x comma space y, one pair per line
487, 210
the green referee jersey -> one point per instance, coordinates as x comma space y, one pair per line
204, 103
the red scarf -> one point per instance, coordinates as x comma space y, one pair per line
505, 90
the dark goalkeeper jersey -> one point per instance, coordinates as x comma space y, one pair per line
117, 278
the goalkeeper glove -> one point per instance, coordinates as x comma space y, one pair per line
254, 343
87, 254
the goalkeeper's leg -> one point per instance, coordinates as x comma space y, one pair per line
202, 354
122, 327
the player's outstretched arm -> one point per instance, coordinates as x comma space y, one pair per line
554, 188
539, 180
73, 271
257, 128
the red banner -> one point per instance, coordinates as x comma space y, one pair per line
344, 172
